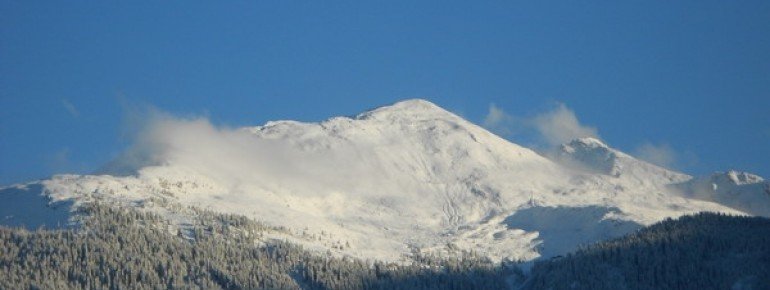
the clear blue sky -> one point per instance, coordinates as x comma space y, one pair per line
694, 75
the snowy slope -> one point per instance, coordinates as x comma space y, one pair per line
591, 154
390, 181
740, 190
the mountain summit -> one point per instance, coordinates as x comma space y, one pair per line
389, 182
414, 109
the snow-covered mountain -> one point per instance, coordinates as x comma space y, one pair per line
591, 154
401, 178
740, 190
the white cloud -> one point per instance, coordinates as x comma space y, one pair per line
660, 154
70, 108
236, 157
495, 117
561, 125
498, 121
552, 128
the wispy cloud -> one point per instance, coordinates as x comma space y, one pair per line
238, 158
658, 154
552, 128
495, 117
664, 155
70, 108
561, 125
498, 120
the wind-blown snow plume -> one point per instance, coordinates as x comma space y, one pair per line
661, 155
552, 128
497, 118
233, 157
561, 125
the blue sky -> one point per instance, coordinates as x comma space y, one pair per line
685, 78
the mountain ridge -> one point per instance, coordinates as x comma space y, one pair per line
393, 180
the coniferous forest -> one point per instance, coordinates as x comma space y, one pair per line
703, 251
119, 248
127, 249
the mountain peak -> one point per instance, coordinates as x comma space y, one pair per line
589, 153
594, 155
739, 177
413, 109
415, 103
741, 190
589, 142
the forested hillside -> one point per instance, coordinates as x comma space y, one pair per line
127, 249
704, 251
119, 248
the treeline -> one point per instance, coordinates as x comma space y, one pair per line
704, 251
125, 248
119, 248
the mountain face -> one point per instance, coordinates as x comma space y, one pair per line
405, 178
593, 155
740, 190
